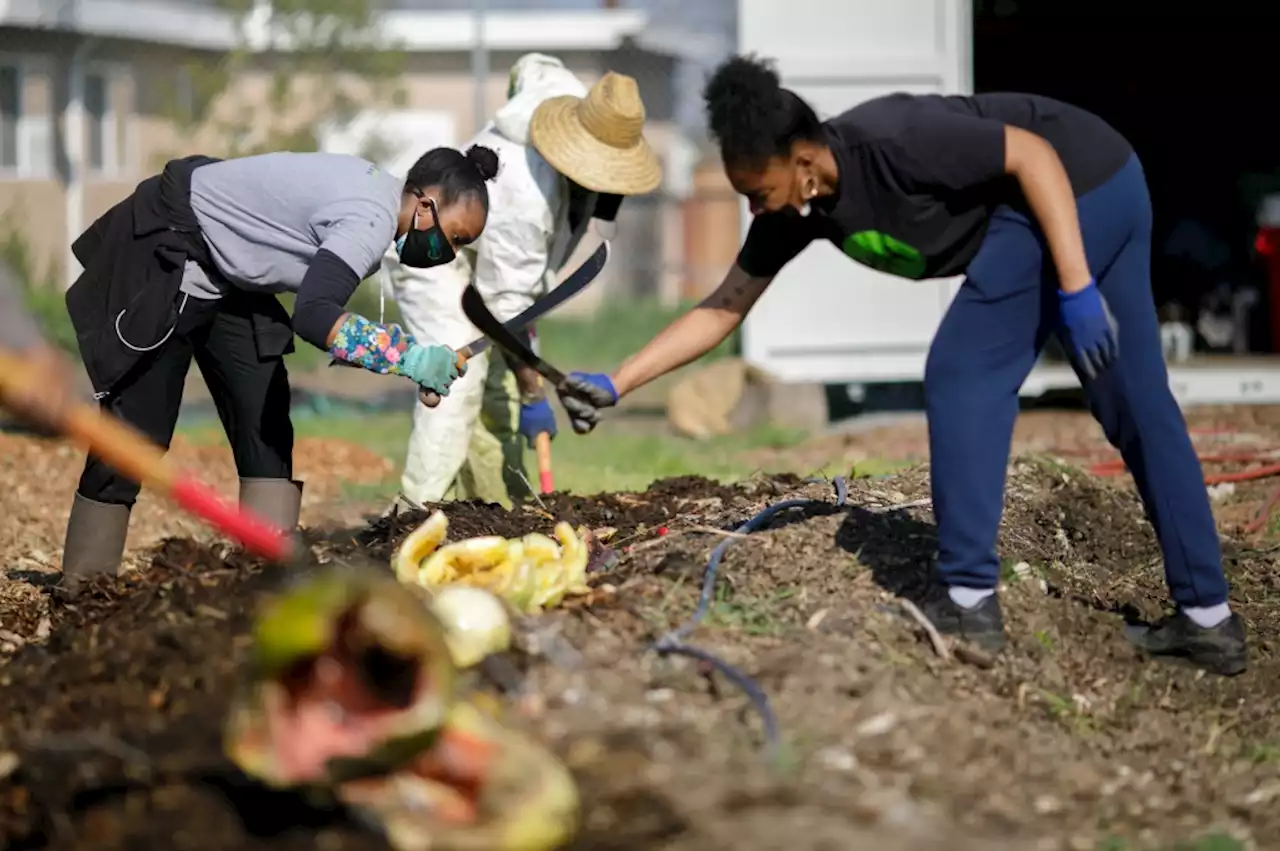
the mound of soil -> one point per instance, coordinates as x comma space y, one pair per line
113, 704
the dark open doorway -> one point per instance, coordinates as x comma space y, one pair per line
1192, 87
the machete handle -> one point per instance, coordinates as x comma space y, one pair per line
546, 482
431, 398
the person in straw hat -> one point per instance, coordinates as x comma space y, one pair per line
569, 155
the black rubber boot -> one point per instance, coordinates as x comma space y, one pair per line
94, 545
277, 500
982, 625
1219, 649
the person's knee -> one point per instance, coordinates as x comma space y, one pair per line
265, 449
265, 452
1108, 406
260, 428
939, 366
1125, 402
949, 379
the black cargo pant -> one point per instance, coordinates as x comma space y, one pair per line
251, 391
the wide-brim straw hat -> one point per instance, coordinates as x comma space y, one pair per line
598, 141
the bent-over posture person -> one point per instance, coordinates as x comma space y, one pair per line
189, 266
1044, 208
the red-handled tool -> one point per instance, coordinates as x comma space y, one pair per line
133, 455
546, 482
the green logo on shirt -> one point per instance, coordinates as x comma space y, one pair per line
883, 252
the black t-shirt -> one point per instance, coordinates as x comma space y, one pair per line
920, 176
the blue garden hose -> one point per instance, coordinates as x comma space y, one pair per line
673, 642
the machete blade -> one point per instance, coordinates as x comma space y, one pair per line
574, 284
478, 312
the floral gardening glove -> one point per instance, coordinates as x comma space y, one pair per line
388, 350
1089, 330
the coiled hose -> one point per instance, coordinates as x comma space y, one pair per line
674, 641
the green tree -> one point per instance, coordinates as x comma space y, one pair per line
322, 60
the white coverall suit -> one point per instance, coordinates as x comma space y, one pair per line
467, 446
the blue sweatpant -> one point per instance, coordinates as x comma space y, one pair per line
988, 343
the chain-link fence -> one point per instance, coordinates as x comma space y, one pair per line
95, 95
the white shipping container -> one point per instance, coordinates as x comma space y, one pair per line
829, 320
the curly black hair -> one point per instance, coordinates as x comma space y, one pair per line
455, 174
752, 116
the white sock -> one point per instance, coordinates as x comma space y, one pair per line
1207, 617
969, 598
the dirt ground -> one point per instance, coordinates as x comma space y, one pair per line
1067, 740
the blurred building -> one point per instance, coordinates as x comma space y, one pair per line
96, 94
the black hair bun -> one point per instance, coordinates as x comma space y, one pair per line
485, 160
742, 92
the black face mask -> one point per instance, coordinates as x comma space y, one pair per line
423, 249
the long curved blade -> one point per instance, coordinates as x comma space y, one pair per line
574, 284
504, 338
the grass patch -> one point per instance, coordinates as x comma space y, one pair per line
609, 460
592, 344
871, 468
385, 434
752, 615
616, 331
1263, 752
606, 460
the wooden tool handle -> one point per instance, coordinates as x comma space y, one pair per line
543, 446
130, 453
430, 398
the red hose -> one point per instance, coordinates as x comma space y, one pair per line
1243, 475
1116, 466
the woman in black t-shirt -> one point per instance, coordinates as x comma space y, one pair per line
1044, 208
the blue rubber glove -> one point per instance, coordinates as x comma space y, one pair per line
536, 418
434, 368
583, 394
1089, 330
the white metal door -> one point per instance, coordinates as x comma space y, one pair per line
826, 318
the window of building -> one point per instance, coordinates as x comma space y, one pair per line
10, 116
98, 117
106, 128
26, 118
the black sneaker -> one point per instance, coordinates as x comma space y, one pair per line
1220, 649
982, 625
